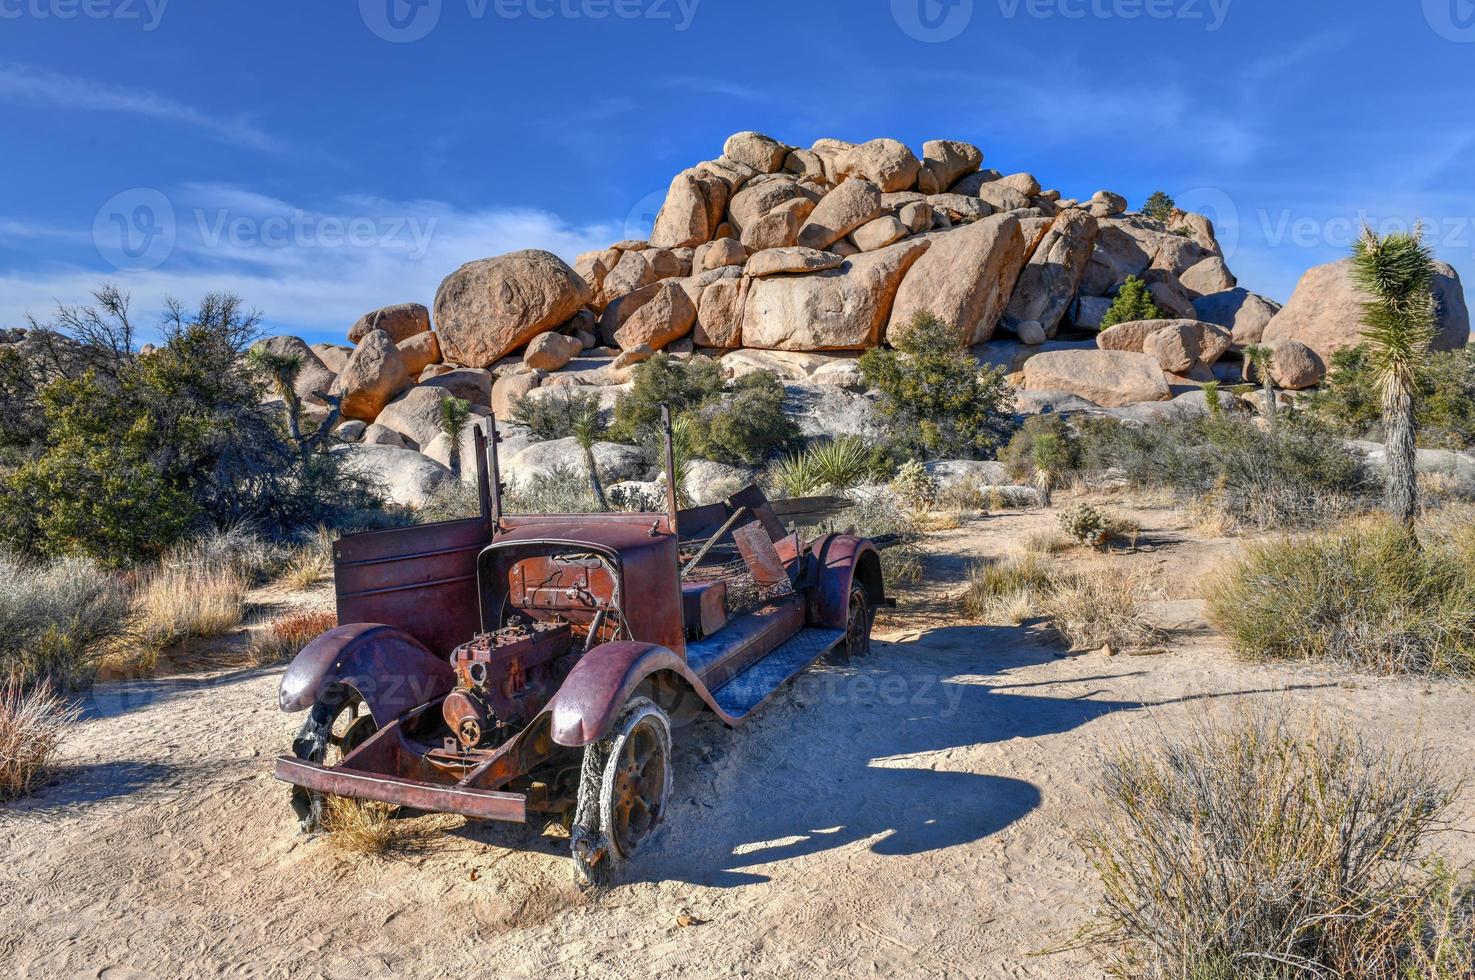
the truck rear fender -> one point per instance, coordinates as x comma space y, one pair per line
843, 559
588, 704
391, 670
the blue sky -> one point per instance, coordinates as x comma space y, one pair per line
322, 158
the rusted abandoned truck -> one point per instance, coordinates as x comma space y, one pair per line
507, 665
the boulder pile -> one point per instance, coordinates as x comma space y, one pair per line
798, 260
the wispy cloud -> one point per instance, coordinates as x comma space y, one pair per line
35, 87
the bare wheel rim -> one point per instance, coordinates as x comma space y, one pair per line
637, 780
858, 624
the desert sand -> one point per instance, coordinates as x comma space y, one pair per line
913, 814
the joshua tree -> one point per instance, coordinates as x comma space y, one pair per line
1050, 456
587, 427
454, 414
1258, 359
1398, 326
281, 370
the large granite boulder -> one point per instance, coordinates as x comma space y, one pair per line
966, 277
1325, 312
1050, 279
840, 212
1110, 378
403, 476
489, 308
401, 321
1241, 312
373, 376
845, 308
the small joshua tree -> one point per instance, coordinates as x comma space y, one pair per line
1258, 359
587, 427
455, 413
281, 371
1211, 397
1159, 206
1398, 326
1051, 457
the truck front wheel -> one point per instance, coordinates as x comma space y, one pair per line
624, 789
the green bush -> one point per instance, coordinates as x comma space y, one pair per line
554, 416
1444, 402
1368, 596
134, 451
936, 399
1133, 302
741, 422
1294, 474
1159, 206
1274, 849
1018, 453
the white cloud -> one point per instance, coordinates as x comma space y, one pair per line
303, 267
35, 87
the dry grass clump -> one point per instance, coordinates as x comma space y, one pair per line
1043, 543
1261, 849
1368, 596
32, 723
58, 620
1101, 605
310, 563
371, 828
175, 603
1006, 591
283, 638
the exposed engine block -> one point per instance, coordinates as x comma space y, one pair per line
504, 679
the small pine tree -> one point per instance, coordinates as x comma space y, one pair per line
1133, 302
1159, 206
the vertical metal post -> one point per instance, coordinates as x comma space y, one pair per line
670, 468
494, 438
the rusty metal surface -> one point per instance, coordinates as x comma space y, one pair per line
703, 607
389, 668
481, 804
594, 693
745, 641
761, 556
839, 560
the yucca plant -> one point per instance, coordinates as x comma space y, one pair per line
1211, 397
795, 475
1398, 326
1050, 457
1258, 359
281, 371
840, 464
587, 427
455, 413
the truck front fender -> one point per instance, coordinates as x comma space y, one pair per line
588, 704
391, 670
843, 559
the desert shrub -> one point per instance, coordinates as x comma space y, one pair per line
1085, 524
1019, 453
311, 562
880, 516
937, 401
57, 620
1444, 402
555, 415
1294, 474
562, 490
32, 723
1101, 605
746, 425
179, 602
360, 826
1367, 596
283, 638
915, 487
454, 500
741, 422
1159, 206
1005, 591
1269, 849
136, 452
1133, 302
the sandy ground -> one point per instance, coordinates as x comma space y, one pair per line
914, 814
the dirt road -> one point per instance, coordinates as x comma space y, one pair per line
910, 815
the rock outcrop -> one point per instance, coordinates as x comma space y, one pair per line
489, 308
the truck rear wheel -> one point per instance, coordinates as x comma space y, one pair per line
858, 619
624, 789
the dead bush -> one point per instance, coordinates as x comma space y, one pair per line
1101, 605
175, 603
32, 724
283, 638
1265, 849
371, 828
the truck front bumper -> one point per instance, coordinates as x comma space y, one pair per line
481, 804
